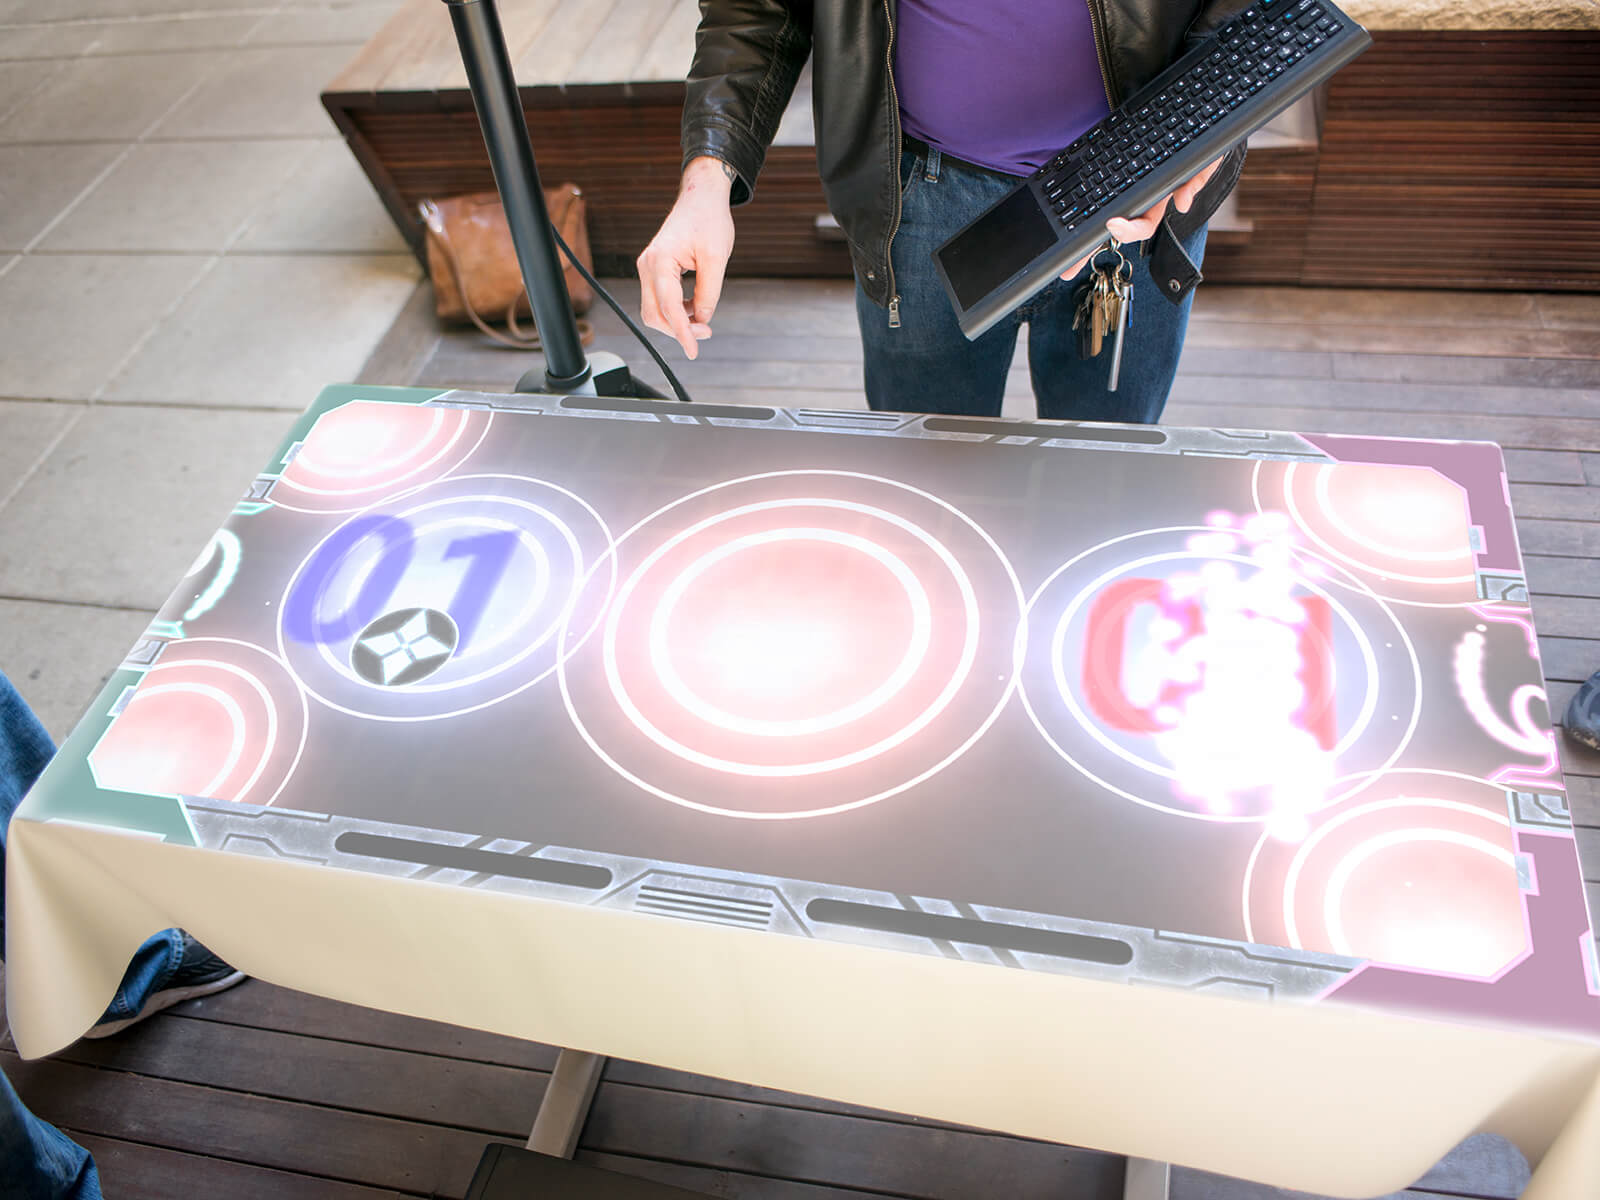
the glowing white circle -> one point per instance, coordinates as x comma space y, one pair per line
1038, 722
1339, 878
279, 502
1370, 777
1019, 645
916, 650
236, 724
969, 649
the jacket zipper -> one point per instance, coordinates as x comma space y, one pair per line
894, 109
1098, 27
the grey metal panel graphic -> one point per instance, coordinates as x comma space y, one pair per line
672, 891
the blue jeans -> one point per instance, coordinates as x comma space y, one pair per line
37, 1161
927, 365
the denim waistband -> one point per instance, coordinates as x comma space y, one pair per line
919, 147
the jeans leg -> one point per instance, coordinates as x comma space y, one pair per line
1070, 388
25, 748
38, 1161
927, 365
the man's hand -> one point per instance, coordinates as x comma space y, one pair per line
696, 236
1137, 229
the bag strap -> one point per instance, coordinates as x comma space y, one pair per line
516, 338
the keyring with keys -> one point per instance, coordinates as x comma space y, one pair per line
1105, 307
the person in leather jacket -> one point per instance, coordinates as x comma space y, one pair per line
993, 76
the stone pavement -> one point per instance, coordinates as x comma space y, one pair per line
188, 252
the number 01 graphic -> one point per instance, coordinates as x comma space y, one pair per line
487, 554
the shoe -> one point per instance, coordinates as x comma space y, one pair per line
1582, 721
199, 973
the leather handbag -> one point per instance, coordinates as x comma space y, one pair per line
472, 262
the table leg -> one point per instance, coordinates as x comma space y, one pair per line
566, 1103
1147, 1180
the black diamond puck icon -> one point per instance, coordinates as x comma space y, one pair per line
404, 646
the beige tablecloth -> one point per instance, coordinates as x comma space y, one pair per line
1327, 1099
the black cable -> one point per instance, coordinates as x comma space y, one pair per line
626, 320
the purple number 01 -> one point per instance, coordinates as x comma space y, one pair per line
488, 555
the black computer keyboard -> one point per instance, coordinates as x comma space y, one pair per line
1228, 85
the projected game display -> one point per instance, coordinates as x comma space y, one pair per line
1249, 713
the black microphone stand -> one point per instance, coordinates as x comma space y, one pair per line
505, 134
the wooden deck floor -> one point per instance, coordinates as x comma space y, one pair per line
265, 1093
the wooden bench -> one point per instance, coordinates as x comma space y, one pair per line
1447, 156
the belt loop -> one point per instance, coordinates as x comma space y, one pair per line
930, 169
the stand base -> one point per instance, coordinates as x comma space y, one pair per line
1147, 1180
608, 375
566, 1103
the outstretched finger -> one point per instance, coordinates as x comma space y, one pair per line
666, 284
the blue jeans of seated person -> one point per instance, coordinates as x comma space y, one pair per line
37, 1161
927, 365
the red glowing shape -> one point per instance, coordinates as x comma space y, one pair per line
1113, 641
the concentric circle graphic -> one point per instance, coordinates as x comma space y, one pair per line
501, 557
361, 452
214, 717
1418, 871
1404, 530
1213, 672
794, 644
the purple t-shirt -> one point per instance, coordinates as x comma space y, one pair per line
1003, 84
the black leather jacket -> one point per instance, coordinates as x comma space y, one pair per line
748, 54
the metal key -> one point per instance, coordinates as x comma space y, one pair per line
1122, 318
1086, 319
1104, 305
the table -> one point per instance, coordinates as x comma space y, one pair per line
1112, 785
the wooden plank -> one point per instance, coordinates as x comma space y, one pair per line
1276, 364
1566, 616
1544, 466
521, 25
1346, 395
627, 35
671, 53
1561, 502
400, 1155
1583, 794
309, 1021
345, 1075
1531, 433
1589, 853
264, 1006
1560, 576
130, 1171
1379, 338
551, 57
900, 1159
421, 36
728, 1185
1483, 1166
365, 72
1571, 659
1578, 538
1445, 368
